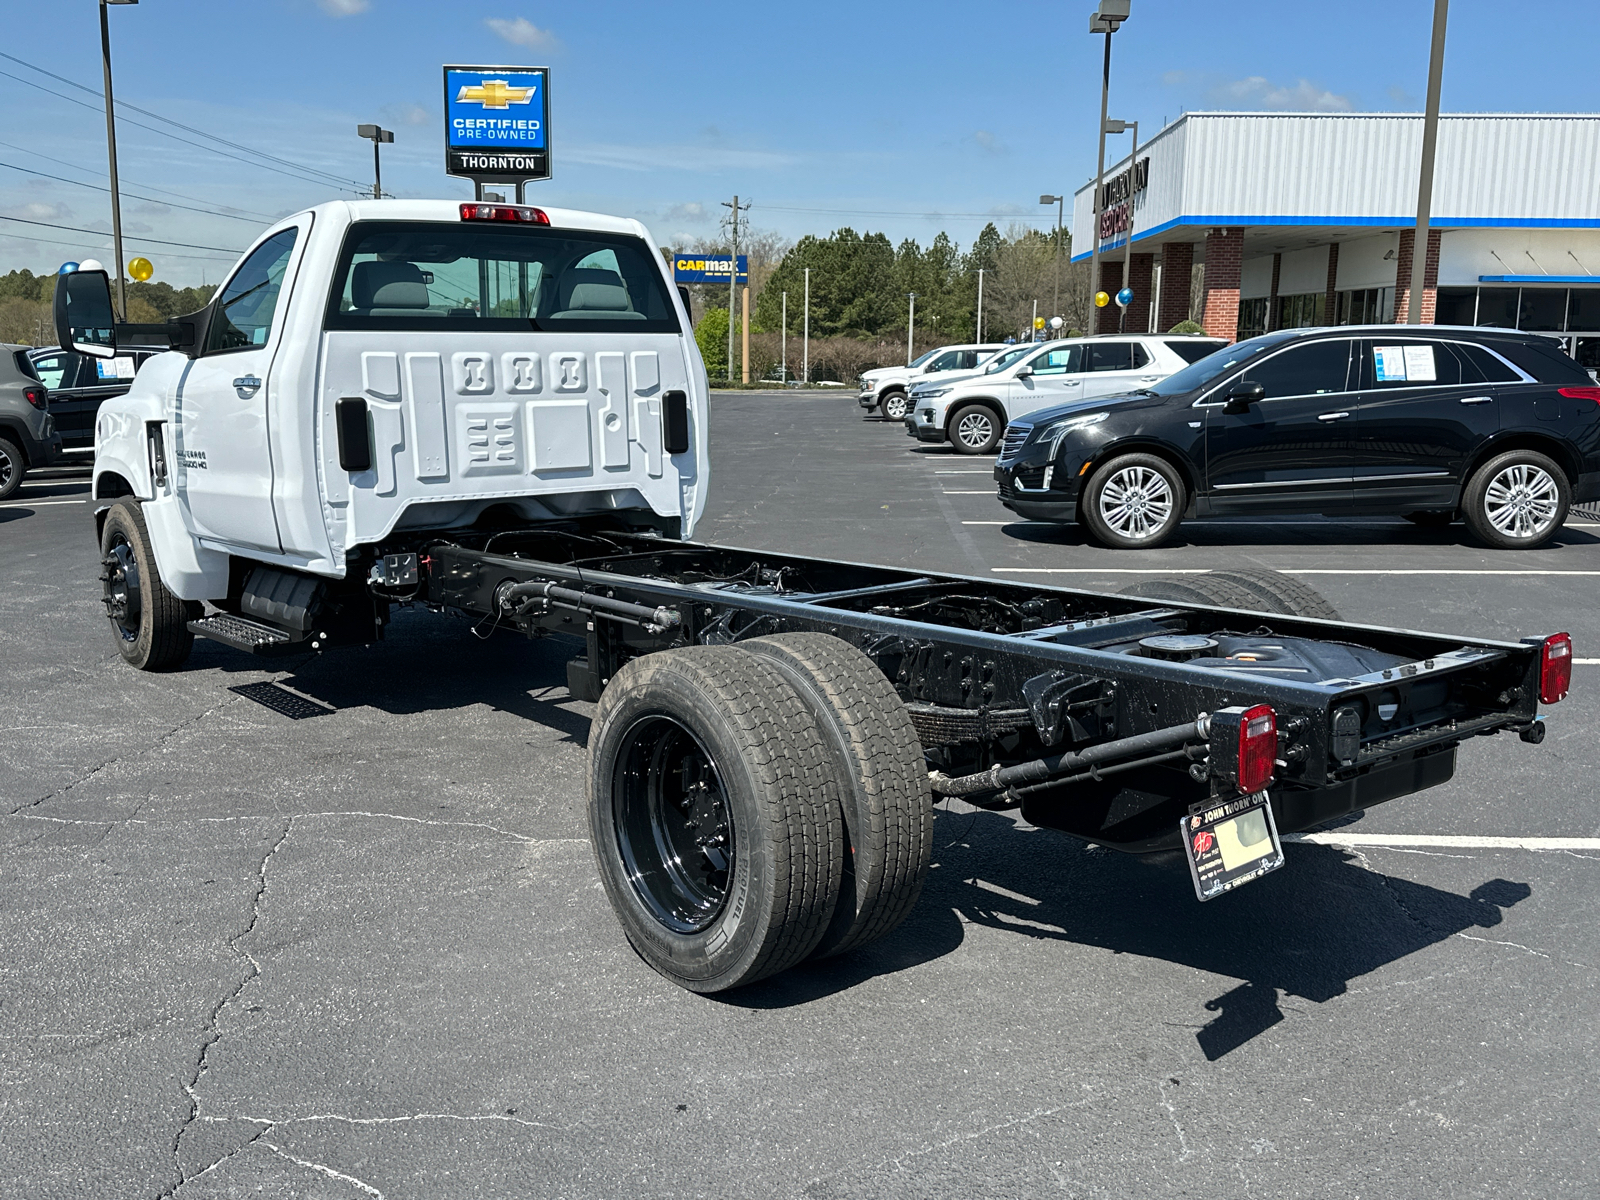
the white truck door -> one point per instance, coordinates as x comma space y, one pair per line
220, 402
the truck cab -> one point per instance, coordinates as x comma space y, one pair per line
374, 366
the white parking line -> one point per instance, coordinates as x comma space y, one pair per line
1587, 662
1445, 841
1280, 570
985, 492
963, 472
38, 503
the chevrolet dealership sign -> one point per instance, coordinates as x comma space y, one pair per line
496, 122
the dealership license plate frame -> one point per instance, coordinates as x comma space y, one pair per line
1206, 833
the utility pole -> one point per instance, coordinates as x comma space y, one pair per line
733, 282
111, 149
1033, 325
1430, 138
911, 330
805, 344
978, 337
783, 341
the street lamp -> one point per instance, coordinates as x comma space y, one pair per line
1060, 203
378, 136
1107, 19
111, 149
1114, 126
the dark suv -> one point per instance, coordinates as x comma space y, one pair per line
77, 386
1498, 427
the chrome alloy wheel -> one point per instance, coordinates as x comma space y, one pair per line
895, 405
975, 429
1136, 502
1522, 501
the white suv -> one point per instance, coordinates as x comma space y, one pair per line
971, 412
886, 387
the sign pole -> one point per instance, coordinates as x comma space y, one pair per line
805, 344
783, 340
978, 332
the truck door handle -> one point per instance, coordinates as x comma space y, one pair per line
1478, 400
247, 385
1338, 416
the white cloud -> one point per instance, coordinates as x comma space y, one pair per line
407, 114
693, 211
989, 142
344, 8
1303, 96
522, 32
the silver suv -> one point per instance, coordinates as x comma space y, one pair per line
28, 436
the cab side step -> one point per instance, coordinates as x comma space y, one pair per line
249, 636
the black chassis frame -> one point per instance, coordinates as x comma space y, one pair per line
982, 695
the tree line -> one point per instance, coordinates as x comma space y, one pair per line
26, 298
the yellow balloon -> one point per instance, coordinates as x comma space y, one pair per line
1101, 299
141, 269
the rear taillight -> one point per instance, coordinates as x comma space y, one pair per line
504, 212
1555, 668
1581, 393
37, 396
1244, 747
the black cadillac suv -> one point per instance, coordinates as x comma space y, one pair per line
1429, 422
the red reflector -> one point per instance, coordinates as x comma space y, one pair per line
1582, 393
1555, 668
504, 212
36, 396
1258, 748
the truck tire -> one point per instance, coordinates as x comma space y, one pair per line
893, 406
1133, 502
714, 816
975, 429
12, 467
1517, 500
883, 782
150, 624
1196, 589
1281, 594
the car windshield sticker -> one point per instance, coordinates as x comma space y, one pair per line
120, 367
1390, 362
1419, 364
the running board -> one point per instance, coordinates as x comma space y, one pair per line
249, 636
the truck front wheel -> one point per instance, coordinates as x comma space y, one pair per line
150, 624
715, 816
894, 406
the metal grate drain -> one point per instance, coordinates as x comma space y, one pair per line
281, 700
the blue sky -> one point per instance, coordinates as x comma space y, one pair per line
902, 117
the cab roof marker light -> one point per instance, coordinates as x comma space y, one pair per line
1555, 668
504, 212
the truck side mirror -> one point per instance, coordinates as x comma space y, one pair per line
1242, 395
83, 315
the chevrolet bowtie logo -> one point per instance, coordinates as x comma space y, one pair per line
495, 93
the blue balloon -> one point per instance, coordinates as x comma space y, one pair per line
1125, 297
67, 268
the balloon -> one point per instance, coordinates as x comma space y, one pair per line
1101, 299
1125, 297
141, 269
67, 268
91, 264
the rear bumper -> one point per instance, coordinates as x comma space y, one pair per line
42, 452
1587, 487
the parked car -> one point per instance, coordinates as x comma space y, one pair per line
1498, 427
887, 387
28, 436
971, 412
78, 384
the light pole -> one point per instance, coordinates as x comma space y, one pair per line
1107, 19
1430, 137
979, 333
377, 136
1060, 203
805, 339
1112, 126
783, 342
911, 329
111, 149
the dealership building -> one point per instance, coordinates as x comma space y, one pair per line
1302, 219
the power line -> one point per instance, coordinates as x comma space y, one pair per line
150, 186
185, 141
134, 195
868, 212
107, 233
176, 124
22, 237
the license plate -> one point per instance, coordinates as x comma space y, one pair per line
1229, 843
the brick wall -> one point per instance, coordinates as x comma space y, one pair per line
1177, 264
1141, 270
1110, 284
1430, 277
1224, 254
1330, 301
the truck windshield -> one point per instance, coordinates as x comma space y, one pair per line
429, 275
917, 362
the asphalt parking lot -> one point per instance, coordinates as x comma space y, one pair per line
366, 954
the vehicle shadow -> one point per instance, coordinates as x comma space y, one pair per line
1305, 931
1271, 532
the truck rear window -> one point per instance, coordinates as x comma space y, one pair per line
404, 275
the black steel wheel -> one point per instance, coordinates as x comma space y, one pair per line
894, 406
12, 467
714, 814
149, 623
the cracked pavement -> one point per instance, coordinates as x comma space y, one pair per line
365, 954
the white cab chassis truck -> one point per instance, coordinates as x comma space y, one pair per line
498, 411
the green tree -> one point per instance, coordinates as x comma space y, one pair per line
711, 335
